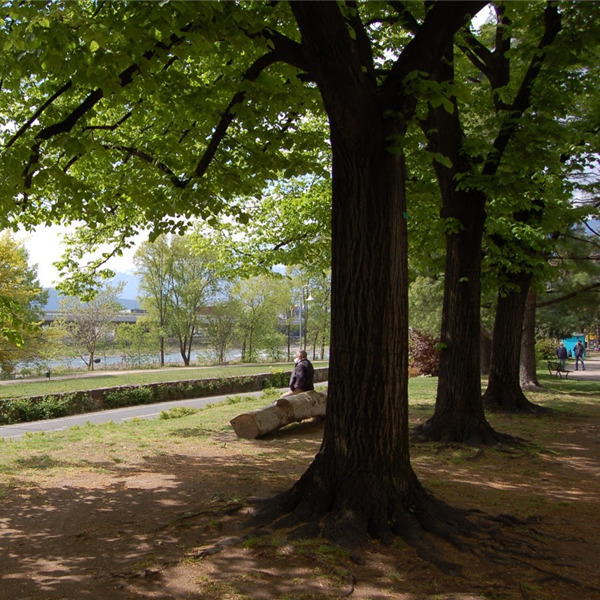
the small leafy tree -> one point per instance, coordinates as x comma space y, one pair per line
261, 302
87, 324
221, 326
193, 280
153, 261
136, 340
21, 303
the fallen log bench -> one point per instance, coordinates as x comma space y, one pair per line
283, 411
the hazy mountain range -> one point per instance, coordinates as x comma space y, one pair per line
128, 298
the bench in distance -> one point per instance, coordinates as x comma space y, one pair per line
556, 369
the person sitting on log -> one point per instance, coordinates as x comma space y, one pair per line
303, 376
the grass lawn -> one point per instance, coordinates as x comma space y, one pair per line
135, 510
88, 381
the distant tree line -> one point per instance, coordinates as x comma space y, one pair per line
191, 302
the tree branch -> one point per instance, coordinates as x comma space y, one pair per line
405, 17
228, 115
147, 157
38, 113
67, 124
422, 52
109, 127
567, 296
522, 100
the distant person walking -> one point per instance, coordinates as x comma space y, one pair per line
303, 377
579, 352
561, 354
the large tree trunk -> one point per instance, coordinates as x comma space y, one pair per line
529, 378
458, 415
504, 389
486, 351
361, 481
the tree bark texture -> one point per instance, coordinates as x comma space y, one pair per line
529, 378
486, 350
458, 414
504, 389
361, 481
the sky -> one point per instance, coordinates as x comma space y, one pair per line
45, 247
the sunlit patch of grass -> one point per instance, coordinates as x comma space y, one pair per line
177, 412
329, 552
396, 577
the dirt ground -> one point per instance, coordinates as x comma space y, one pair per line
168, 525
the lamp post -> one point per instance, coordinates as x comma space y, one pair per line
303, 301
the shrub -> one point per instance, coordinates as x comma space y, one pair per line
545, 349
423, 353
129, 397
234, 399
52, 407
21, 410
278, 379
17, 410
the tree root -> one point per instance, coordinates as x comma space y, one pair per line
350, 528
342, 576
228, 510
477, 435
511, 400
218, 547
502, 539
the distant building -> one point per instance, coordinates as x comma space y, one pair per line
571, 341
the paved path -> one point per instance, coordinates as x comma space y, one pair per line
592, 369
116, 415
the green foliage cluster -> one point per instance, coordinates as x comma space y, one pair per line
545, 349
19, 410
178, 412
135, 395
278, 379
129, 397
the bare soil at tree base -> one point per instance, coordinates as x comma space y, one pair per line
168, 524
